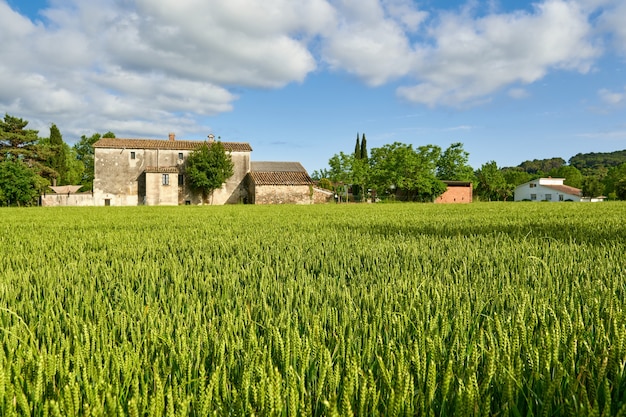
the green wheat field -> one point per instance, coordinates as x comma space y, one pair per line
486, 309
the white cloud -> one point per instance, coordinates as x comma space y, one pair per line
612, 20
146, 64
474, 57
611, 97
518, 93
371, 42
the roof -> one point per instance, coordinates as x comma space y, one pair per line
457, 183
66, 189
270, 166
279, 173
159, 170
120, 143
566, 189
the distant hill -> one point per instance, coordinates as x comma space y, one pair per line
594, 160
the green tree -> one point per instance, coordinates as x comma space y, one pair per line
453, 164
542, 166
363, 147
401, 171
573, 177
516, 176
491, 183
340, 172
17, 141
615, 180
357, 148
592, 187
84, 152
208, 167
19, 185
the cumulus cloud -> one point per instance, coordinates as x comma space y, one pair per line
611, 97
474, 57
146, 65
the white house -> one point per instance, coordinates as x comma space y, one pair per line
547, 189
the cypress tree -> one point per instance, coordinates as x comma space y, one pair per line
357, 148
363, 147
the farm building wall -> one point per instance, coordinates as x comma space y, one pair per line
128, 177
456, 193
283, 194
54, 200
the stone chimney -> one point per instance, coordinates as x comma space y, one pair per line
211, 138
172, 137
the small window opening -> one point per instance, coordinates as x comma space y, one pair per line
165, 179
132, 155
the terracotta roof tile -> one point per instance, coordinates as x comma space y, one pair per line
119, 143
565, 189
164, 170
273, 166
280, 178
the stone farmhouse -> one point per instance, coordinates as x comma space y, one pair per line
131, 172
547, 189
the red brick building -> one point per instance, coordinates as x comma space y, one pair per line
457, 192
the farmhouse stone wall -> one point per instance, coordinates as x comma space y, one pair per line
55, 200
121, 178
283, 194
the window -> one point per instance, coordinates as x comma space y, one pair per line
165, 179
548, 197
181, 180
532, 185
132, 155
533, 197
560, 197
107, 202
180, 155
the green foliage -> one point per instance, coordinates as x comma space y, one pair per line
16, 140
614, 181
542, 166
517, 176
407, 173
573, 177
492, 185
19, 185
486, 309
208, 167
453, 164
591, 162
364, 147
84, 152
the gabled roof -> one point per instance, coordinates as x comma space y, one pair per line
279, 173
66, 189
270, 166
566, 189
179, 145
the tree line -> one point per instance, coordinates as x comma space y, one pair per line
401, 171
29, 164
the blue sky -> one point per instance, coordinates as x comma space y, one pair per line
512, 81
